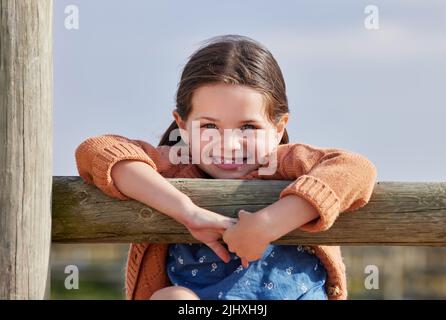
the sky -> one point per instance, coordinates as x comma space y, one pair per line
378, 92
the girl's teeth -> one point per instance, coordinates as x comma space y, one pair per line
225, 161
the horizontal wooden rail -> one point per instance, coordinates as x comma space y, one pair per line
398, 213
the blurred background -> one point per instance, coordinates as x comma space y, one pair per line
373, 87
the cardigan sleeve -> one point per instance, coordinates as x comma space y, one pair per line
96, 156
332, 180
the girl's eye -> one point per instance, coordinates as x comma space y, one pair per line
213, 126
249, 126
209, 126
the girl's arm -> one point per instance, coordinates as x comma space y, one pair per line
96, 156
278, 218
327, 182
331, 180
130, 169
139, 181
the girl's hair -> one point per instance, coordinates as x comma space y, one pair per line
232, 59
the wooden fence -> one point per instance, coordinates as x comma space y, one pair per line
397, 214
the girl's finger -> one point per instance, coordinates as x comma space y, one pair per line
229, 222
243, 212
215, 220
245, 263
219, 250
220, 231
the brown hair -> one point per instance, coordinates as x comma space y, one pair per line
232, 59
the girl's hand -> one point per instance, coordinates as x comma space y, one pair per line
208, 227
248, 238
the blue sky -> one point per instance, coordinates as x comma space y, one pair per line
377, 92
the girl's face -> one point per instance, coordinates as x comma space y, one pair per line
229, 123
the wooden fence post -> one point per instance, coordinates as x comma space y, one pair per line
26, 83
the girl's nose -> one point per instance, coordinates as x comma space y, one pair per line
232, 142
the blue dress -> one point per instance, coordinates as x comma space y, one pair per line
285, 272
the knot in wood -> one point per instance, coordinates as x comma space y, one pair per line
84, 196
146, 213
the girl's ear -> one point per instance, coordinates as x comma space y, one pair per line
180, 123
281, 126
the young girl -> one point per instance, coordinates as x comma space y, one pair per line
232, 83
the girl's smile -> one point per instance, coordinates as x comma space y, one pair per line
229, 164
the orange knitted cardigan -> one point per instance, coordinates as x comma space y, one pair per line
332, 180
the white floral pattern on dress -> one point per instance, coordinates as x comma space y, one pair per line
239, 268
269, 285
289, 270
275, 267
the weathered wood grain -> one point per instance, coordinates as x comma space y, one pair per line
398, 213
26, 77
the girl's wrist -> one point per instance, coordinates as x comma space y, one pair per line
264, 223
285, 215
188, 211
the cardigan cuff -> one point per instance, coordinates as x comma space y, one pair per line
321, 196
103, 162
